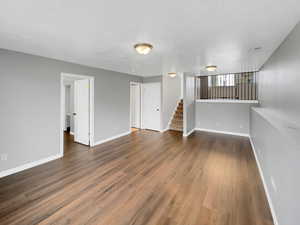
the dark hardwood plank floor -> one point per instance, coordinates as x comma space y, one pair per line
146, 178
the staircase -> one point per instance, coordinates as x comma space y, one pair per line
177, 120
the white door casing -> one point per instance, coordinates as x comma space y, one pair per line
82, 111
151, 106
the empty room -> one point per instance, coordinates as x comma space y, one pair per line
149, 113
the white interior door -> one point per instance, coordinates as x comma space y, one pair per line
82, 111
135, 105
151, 115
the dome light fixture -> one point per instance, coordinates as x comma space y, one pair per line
143, 48
172, 74
211, 68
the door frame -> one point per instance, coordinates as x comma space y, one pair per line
160, 105
140, 88
62, 106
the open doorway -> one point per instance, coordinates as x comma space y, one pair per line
135, 106
77, 111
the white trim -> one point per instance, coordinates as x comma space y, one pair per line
71, 133
62, 116
111, 138
62, 106
264, 184
92, 110
29, 165
189, 133
164, 130
222, 132
228, 101
184, 105
80, 76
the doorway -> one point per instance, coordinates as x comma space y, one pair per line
135, 106
77, 110
151, 106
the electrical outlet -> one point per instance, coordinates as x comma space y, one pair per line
3, 157
273, 184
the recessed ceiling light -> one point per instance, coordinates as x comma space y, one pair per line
211, 68
143, 48
172, 74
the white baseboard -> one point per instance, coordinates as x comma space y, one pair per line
72, 133
223, 132
264, 184
189, 133
29, 165
165, 130
111, 138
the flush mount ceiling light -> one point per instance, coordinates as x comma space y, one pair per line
211, 68
143, 48
172, 74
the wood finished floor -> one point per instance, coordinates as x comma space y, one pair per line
146, 178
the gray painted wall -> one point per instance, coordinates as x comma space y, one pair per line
226, 117
30, 105
189, 117
275, 128
152, 79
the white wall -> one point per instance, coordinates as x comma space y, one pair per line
275, 128
189, 117
171, 95
223, 117
152, 79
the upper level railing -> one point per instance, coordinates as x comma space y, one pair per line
238, 86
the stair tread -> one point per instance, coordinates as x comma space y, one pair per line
177, 120
173, 125
176, 129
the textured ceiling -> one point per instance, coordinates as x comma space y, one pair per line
186, 35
